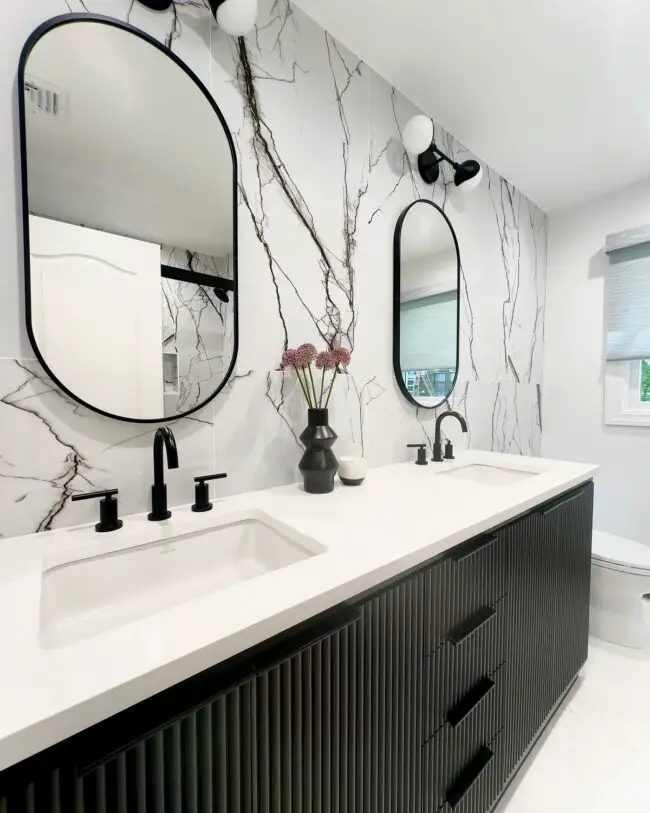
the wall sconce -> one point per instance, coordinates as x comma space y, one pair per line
417, 138
235, 17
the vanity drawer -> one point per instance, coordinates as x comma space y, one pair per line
472, 651
473, 576
470, 725
479, 782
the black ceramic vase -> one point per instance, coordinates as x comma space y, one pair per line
318, 464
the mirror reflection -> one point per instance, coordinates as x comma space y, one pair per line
131, 222
427, 284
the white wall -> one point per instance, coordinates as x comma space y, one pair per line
573, 426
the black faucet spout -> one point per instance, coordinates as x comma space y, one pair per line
437, 443
163, 439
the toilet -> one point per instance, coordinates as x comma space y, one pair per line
620, 590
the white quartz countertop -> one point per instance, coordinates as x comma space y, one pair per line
400, 517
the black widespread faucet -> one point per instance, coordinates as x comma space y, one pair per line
437, 444
164, 436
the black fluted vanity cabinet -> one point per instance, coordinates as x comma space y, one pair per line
424, 695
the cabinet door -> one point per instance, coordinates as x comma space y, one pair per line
530, 639
566, 528
550, 564
201, 761
400, 627
308, 733
286, 739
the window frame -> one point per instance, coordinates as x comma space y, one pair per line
623, 406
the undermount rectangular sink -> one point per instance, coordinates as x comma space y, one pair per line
489, 475
98, 591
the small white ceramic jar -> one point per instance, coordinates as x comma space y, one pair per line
352, 470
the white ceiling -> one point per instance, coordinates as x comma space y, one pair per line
552, 94
137, 150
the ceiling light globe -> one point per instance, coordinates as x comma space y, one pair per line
237, 17
417, 135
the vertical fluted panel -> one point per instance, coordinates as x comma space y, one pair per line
399, 625
309, 728
550, 559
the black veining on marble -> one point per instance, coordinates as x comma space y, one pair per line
75, 465
279, 403
333, 325
498, 422
538, 324
402, 158
506, 203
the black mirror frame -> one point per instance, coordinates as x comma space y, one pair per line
397, 274
35, 36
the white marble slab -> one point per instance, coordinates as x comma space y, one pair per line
323, 178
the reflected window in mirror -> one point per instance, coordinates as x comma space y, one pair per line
130, 221
426, 305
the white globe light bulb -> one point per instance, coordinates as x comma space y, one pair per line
417, 135
237, 17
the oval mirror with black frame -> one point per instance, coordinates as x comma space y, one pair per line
426, 305
130, 221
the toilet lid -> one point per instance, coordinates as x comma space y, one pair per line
619, 551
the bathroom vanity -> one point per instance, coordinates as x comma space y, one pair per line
407, 661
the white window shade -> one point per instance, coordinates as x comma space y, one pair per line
627, 295
428, 332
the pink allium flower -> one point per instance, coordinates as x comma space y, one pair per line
289, 357
309, 352
303, 357
342, 356
325, 361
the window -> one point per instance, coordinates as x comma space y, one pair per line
627, 393
627, 328
431, 383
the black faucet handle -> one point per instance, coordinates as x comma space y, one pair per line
205, 478
108, 509
202, 492
422, 453
449, 450
90, 495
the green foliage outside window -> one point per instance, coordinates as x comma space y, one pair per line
645, 380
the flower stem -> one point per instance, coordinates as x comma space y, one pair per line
302, 386
329, 394
322, 387
313, 386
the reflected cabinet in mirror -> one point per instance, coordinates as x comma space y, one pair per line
425, 304
129, 202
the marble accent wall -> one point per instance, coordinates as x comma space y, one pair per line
322, 180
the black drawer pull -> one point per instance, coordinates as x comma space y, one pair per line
470, 626
469, 776
565, 500
467, 551
472, 700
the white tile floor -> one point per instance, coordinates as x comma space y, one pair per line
595, 755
